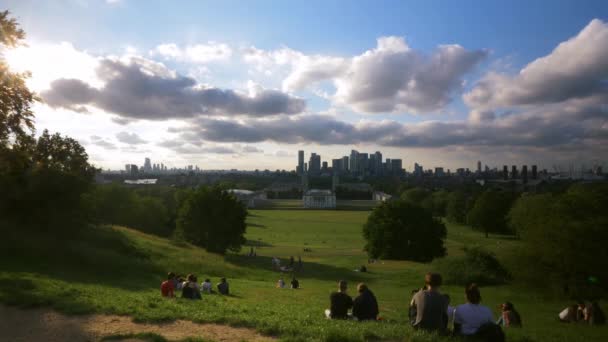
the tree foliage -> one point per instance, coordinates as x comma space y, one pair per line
43, 183
475, 266
402, 230
489, 212
115, 204
16, 116
213, 219
565, 238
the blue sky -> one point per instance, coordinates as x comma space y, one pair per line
492, 37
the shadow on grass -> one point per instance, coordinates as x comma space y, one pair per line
257, 243
309, 269
256, 225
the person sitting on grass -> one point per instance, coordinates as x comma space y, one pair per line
469, 317
568, 315
509, 316
594, 314
295, 284
449, 315
280, 283
190, 288
431, 306
178, 282
340, 303
365, 306
167, 288
206, 286
223, 287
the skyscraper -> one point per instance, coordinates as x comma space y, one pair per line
300, 167
314, 164
514, 171
478, 166
534, 172
505, 172
524, 173
345, 163
354, 157
147, 165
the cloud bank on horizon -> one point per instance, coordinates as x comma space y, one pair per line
556, 104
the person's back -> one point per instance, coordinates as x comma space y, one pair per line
339, 305
167, 287
469, 317
431, 309
223, 287
206, 286
430, 305
365, 306
295, 284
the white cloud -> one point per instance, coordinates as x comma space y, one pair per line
197, 53
576, 68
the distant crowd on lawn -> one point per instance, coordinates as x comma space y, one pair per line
190, 287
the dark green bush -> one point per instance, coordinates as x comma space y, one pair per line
476, 266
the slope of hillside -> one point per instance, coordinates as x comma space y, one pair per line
118, 271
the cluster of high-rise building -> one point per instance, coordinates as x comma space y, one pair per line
149, 168
357, 164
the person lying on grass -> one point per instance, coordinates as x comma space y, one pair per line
340, 303
167, 288
365, 306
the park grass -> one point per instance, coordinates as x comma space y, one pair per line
116, 270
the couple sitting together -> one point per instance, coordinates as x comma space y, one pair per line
364, 307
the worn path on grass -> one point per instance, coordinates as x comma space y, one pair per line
17, 325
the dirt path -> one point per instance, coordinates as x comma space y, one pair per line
19, 325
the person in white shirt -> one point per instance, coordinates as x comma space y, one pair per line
206, 286
469, 317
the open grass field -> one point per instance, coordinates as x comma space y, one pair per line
118, 271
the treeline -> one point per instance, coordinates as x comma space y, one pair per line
563, 232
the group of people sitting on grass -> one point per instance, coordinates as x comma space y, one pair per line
295, 284
190, 287
581, 312
430, 310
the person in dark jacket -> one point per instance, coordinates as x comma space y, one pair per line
365, 306
340, 302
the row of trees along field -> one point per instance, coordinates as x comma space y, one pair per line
563, 233
47, 181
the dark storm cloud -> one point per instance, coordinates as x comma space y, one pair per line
142, 89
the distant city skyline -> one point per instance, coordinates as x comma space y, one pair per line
226, 86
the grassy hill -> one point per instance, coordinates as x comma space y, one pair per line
118, 270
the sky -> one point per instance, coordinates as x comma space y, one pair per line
246, 84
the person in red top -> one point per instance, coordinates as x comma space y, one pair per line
166, 288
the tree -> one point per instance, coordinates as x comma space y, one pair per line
456, 208
213, 219
45, 184
16, 117
564, 237
489, 212
401, 230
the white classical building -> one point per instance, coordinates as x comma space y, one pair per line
315, 198
247, 197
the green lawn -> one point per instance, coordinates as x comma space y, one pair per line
119, 271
